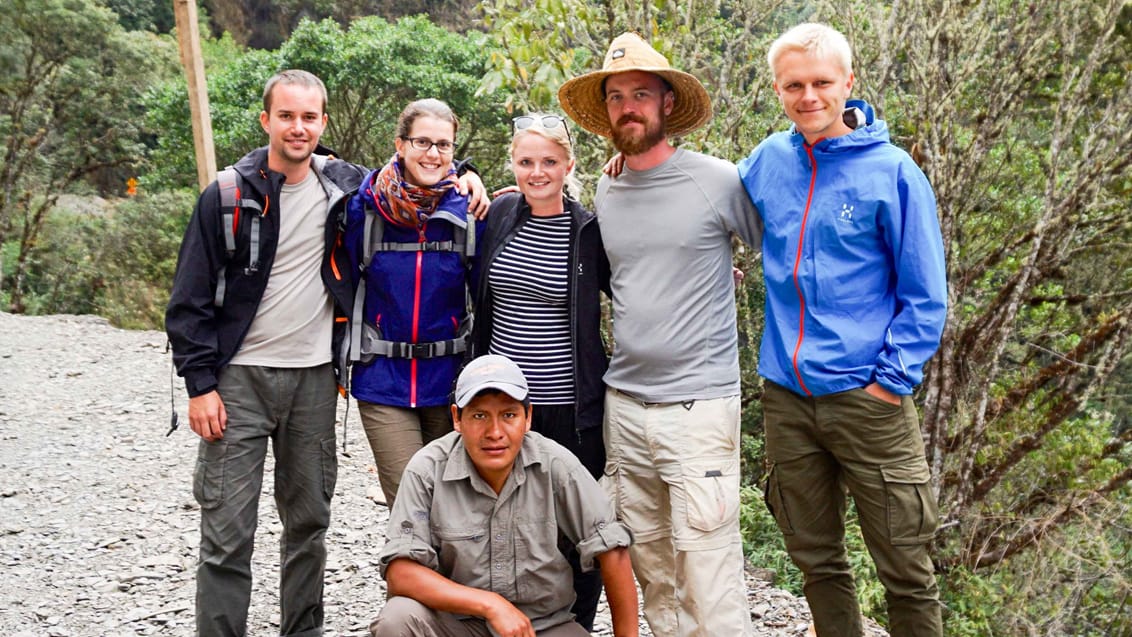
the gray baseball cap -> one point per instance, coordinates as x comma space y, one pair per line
490, 372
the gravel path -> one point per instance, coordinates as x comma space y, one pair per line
98, 526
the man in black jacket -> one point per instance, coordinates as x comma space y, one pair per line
259, 357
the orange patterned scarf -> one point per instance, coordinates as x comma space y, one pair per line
404, 204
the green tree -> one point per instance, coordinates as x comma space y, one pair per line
69, 111
114, 258
371, 72
143, 15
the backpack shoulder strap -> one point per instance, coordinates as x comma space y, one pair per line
232, 200
228, 180
374, 227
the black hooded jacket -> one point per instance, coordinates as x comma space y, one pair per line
206, 337
590, 276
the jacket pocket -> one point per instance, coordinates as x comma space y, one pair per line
912, 512
712, 492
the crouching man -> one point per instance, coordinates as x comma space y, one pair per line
473, 542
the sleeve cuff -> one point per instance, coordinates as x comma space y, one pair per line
394, 549
609, 535
200, 382
465, 165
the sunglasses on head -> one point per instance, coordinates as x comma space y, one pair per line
547, 122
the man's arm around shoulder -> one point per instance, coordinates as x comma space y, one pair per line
407, 578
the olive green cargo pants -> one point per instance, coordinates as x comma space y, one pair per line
818, 449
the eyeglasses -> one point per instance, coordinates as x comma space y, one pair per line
548, 122
423, 144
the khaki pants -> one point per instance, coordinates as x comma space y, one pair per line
672, 471
406, 617
819, 448
395, 434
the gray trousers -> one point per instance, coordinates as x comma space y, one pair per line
819, 449
406, 617
295, 410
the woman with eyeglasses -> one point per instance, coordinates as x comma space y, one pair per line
407, 234
538, 303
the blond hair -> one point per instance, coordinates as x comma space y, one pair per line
559, 135
818, 40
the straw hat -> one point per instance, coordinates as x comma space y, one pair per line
583, 100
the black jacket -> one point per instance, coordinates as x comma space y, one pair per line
206, 337
591, 276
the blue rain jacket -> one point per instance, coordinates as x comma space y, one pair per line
853, 260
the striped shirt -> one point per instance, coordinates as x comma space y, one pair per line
531, 307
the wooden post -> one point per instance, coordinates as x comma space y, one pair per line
188, 34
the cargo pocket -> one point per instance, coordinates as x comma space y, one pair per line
772, 496
911, 510
208, 476
610, 482
712, 492
329, 468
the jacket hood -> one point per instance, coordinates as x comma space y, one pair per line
253, 168
872, 132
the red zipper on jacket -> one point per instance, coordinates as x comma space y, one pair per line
416, 320
797, 263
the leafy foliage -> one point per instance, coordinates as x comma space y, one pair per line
371, 72
68, 109
115, 260
143, 15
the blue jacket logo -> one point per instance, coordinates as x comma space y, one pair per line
846, 213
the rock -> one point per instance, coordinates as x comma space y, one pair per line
768, 575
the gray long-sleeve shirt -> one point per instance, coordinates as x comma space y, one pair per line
667, 233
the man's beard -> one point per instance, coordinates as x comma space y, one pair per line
635, 144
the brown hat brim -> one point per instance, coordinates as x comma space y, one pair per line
584, 101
